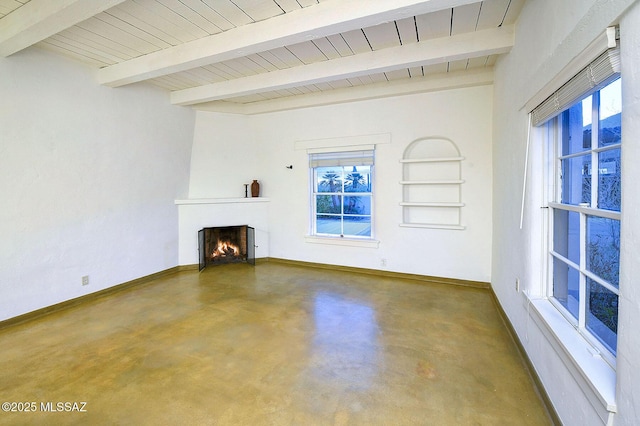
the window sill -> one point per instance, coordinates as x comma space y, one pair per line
353, 242
595, 377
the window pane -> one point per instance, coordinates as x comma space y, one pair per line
326, 224
602, 316
609, 180
329, 179
603, 248
576, 127
610, 109
566, 286
566, 234
357, 179
358, 225
328, 204
357, 205
576, 180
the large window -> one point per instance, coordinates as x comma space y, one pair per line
585, 214
342, 194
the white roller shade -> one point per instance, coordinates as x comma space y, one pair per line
593, 77
346, 158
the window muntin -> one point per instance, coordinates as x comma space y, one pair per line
585, 253
342, 201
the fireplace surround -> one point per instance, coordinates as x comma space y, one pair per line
226, 244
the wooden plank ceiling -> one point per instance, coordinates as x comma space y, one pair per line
264, 55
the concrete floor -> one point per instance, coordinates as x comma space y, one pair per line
273, 344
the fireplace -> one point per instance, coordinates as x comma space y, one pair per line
226, 244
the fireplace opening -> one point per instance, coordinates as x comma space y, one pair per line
226, 244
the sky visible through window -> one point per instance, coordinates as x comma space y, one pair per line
610, 103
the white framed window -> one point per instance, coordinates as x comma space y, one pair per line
584, 212
342, 194
577, 128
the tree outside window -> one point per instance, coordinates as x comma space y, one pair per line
342, 200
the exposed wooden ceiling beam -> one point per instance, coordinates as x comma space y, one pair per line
462, 46
39, 19
431, 83
326, 18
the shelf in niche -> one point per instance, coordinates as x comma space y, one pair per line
431, 160
431, 204
432, 182
431, 226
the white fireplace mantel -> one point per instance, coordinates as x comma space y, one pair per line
190, 201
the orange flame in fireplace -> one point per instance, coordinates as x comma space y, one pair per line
224, 249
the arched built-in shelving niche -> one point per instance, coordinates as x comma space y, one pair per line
432, 184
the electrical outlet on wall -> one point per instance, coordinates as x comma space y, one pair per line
518, 285
85, 280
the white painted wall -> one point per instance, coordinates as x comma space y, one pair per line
88, 176
537, 57
224, 156
261, 146
628, 376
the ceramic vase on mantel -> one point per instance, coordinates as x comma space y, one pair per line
255, 188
